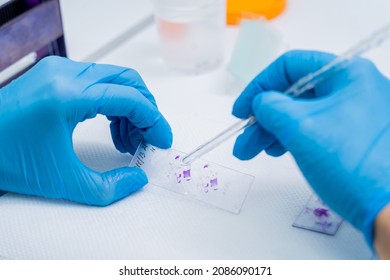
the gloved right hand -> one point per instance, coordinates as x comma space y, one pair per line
39, 112
338, 133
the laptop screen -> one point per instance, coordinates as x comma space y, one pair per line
29, 31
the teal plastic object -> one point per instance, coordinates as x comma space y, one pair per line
256, 47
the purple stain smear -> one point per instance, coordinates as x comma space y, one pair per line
187, 173
206, 188
177, 157
321, 212
178, 177
324, 224
206, 166
214, 182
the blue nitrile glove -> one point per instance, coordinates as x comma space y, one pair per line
39, 111
338, 133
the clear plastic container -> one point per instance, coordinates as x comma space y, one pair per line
191, 33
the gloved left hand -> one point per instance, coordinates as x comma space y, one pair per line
39, 112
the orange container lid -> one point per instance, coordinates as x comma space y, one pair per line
238, 9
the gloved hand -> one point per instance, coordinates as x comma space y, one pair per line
338, 133
39, 112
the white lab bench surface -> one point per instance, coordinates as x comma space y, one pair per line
157, 224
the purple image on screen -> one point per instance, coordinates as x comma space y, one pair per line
32, 2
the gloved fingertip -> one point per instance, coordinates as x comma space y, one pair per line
240, 111
119, 145
116, 136
275, 153
160, 135
166, 142
122, 182
268, 98
241, 153
131, 179
273, 111
135, 142
275, 150
244, 150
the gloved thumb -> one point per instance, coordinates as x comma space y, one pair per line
278, 114
101, 189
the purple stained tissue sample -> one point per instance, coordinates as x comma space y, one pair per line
177, 157
214, 182
187, 173
178, 177
321, 212
205, 166
206, 188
